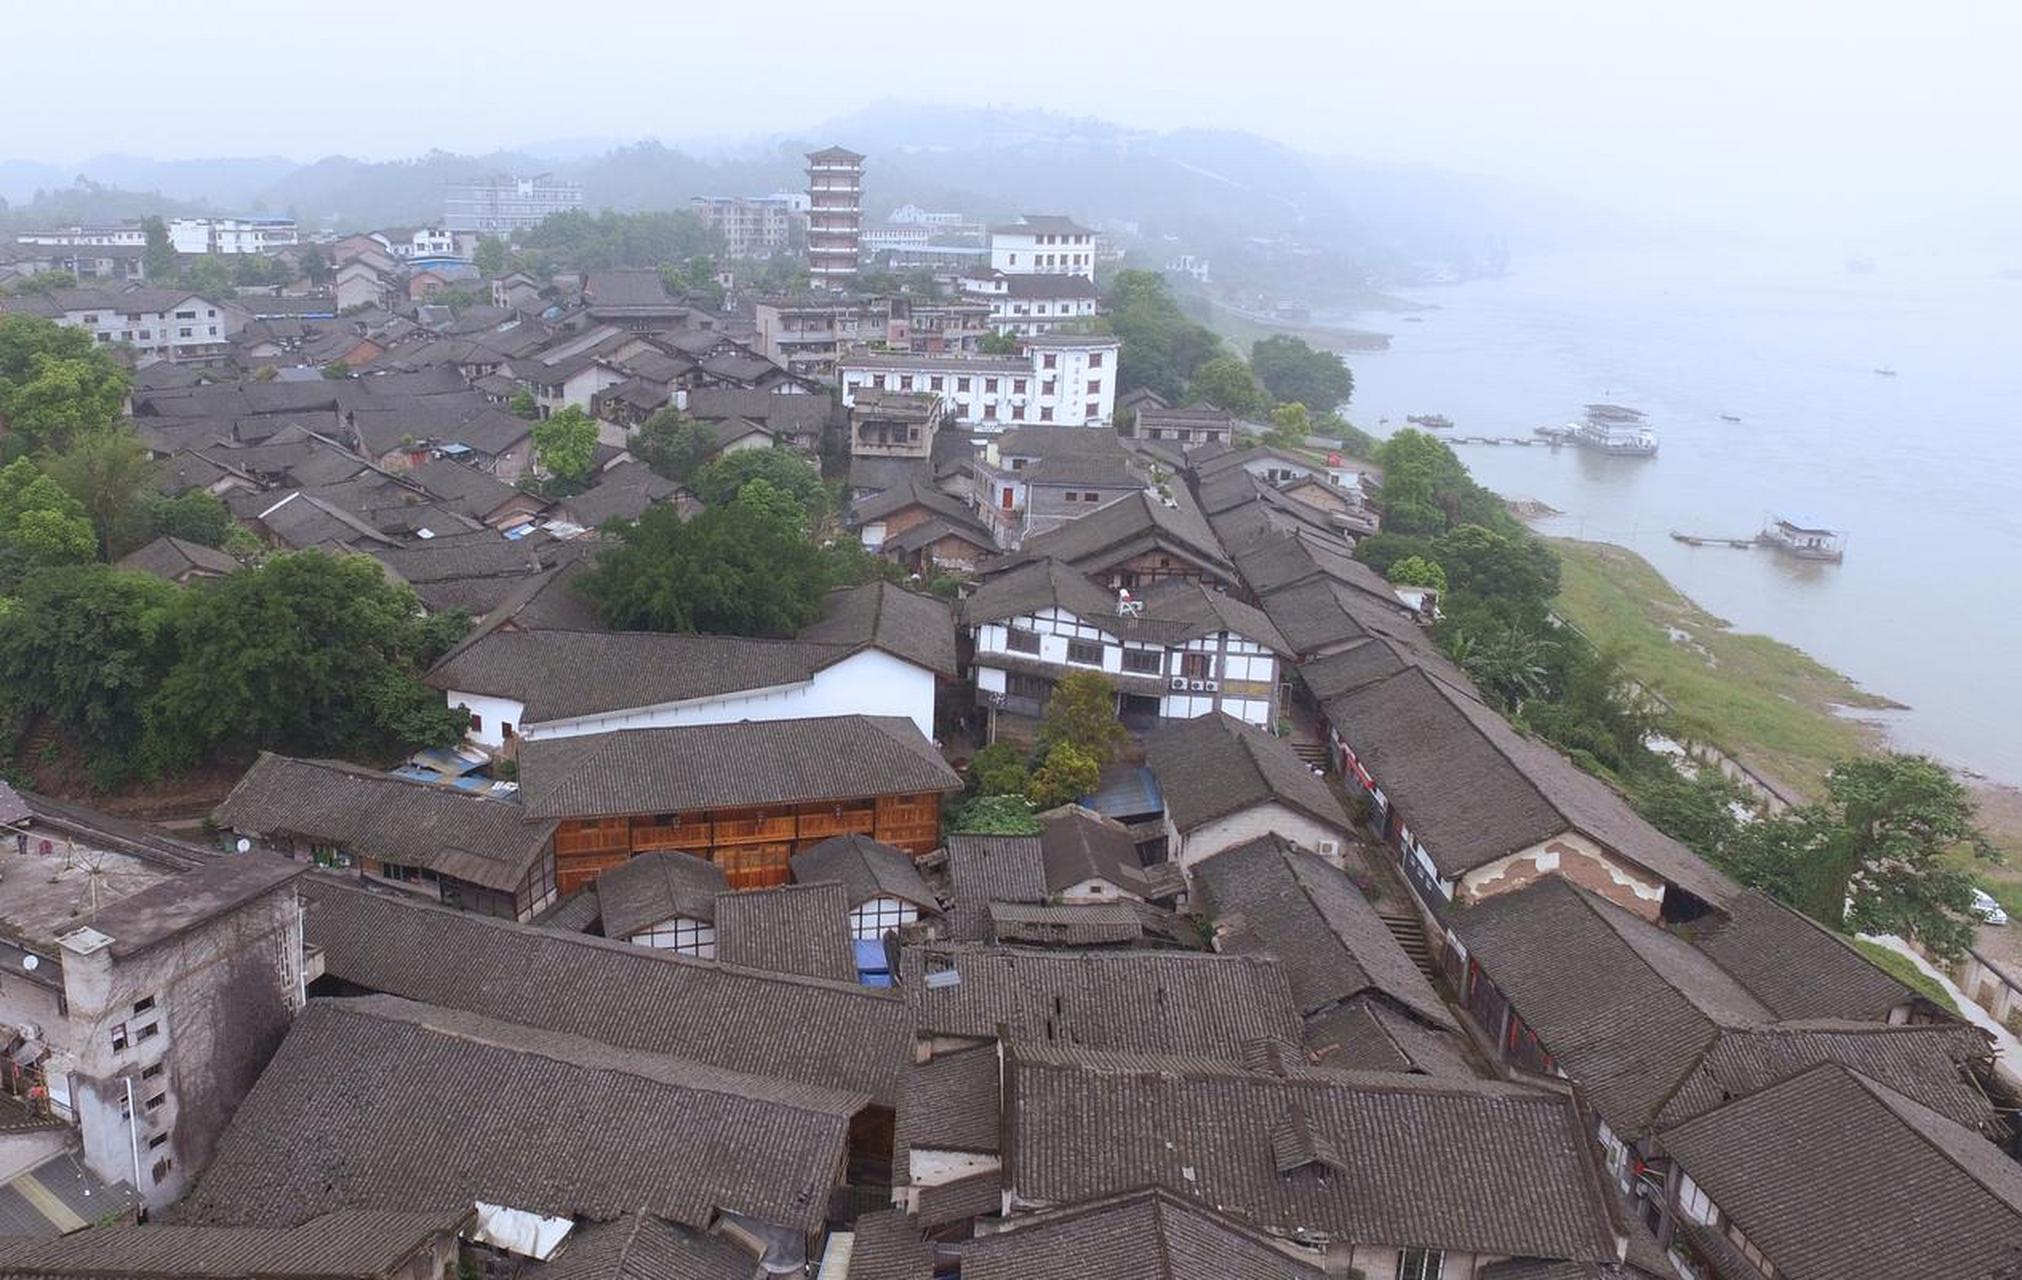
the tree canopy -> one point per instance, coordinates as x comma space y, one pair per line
721, 481
674, 445
158, 261
1081, 712
108, 471
1227, 383
592, 241
40, 524
1162, 347
565, 444
308, 653
734, 569
54, 383
1294, 371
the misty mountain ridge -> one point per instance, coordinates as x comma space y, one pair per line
1231, 196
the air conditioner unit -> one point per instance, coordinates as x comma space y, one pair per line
1179, 682
1199, 685
1212, 685
1330, 848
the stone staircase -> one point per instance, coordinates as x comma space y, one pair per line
1409, 930
1313, 753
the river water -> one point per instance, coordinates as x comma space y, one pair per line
1922, 470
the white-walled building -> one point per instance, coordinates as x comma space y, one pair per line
1043, 244
1024, 306
1179, 651
167, 323
1226, 783
1066, 380
118, 234
754, 226
411, 243
255, 234
507, 202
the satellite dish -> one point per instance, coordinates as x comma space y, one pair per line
30, 962
244, 845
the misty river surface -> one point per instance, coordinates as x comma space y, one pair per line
1922, 470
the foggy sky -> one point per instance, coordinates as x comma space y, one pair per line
1722, 111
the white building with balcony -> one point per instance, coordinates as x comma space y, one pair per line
256, 234
1043, 244
1066, 380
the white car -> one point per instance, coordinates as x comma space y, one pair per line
1987, 909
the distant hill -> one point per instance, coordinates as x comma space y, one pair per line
1234, 197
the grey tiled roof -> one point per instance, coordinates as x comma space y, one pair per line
1625, 1007
729, 765
642, 1246
1930, 1062
1473, 789
950, 1103
559, 675
1795, 966
996, 868
884, 615
792, 928
1298, 1149
824, 1033
1146, 1235
634, 1121
486, 841
1151, 1001
1215, 765
343, 1243
866, 869
1078, 844
1831, 1174
170, 557
652, 888
1367, 1033
1090, 924
1268, 898
888, 1246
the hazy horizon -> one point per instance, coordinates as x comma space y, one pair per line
1742, 117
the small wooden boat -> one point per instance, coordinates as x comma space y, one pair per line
1728, 417
1886, 373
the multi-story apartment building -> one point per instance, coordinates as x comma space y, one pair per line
169, 323
754, 226
506, 202
1066, 380
258, 233
147, 983
255, 234
1043, 244
1027, 305
807, 333
894, 424
835, 193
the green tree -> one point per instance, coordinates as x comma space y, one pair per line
40, 524
195, 516
998, 770
764, 498
158, 261
1161, 347
87, 645
1227, 383
54, 382
315, 264
998, 344
565, 444
1506, 661
1486, 563
336, 371
211, 276
674, 445
731, 570
492, 258
1697, 810
1290, 425
1417, 571
522, 405
1081, 712
1875, 855
308, 653
108, 472
1293, 370
1065, 775
722, 480
1006, 815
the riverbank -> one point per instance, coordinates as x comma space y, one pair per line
1768, 704
1242, 328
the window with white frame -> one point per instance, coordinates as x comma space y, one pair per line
1693, 1201
877, 917
680, 935
1421, 1264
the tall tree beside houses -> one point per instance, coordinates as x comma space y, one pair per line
158, 260
565, 444
1081, 714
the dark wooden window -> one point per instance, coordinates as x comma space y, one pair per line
1019, 640
1143, 661
1020, 685
1086, 652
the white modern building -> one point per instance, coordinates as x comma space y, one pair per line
256, 234
1043, 244
167, 323
506, 202
126, 234
1066, 380
1024, 306
411, 243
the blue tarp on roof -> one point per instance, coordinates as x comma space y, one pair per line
1127, 792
